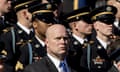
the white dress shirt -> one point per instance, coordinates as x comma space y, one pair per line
104, 44
81, 40
40, 41
24, 28
56, 62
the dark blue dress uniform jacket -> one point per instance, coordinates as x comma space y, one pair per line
37, 50
99, 60
13, 38
75, 54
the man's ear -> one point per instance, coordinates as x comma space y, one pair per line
110, 2
35, 24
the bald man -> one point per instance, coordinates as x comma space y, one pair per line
57, 42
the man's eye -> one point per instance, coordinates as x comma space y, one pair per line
58, 38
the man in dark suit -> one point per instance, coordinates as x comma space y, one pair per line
43, 17
103, 19
20, 32
81, 26
57, 42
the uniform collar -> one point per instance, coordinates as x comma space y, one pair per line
116, 23
56, 62
104, 44
81, 40
40, 41
24, 28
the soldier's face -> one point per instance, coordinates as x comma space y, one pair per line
83, 27
5, 6
102, 28
41, 27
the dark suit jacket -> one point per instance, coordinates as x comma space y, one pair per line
44, 65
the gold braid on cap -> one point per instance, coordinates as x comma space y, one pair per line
94, 17
41, 11
80, 14
23, 4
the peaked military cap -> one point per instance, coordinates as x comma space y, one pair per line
57, 2
23, 4
104, 14
43, 12
80, 14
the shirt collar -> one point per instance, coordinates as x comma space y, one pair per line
41, 42
54, 60
24, 28
116, 23
104, 44
81, 40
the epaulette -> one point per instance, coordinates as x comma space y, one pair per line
91, 42
86, 44
23, 43
7, 29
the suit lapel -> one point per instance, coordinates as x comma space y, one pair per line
50, 65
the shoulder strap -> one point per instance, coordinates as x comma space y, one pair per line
88, 56
30, 53
13, 39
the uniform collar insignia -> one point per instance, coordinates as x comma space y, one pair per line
37, 46
99, 47
20, 31
75, 43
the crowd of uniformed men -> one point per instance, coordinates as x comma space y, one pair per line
93, 33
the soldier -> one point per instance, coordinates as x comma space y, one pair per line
116, 25
114, 54
103, 19
20, 32
81, 26
34, 50
5, 7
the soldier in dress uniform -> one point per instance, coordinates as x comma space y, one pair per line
34, 50
116, 3
114, 53
103, 19
20, 32
5, 7
81, 26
